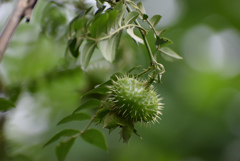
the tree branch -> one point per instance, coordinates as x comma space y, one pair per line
22, 10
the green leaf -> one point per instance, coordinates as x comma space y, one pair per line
74, 117
73, 45
87, 53
145, 16
63, 133
81, 25
5, 105
160, 33
95, 137
71, 24
121, 11
141, 7
99, 89
126, 133
53, 21
14, 91
109, 47
99, 4
168, 54
99, 25
131, 16
154, 20
135, 37
103, 88
63, 148
89, 10
163, 41
102, 113
111, 122
112, 23
100, 10
92, 103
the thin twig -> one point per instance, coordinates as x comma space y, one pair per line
114, 32
22, 10
152, 59
86, 128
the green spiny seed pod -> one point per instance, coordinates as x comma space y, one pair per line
133, 101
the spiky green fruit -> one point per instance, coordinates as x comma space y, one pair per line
133, 101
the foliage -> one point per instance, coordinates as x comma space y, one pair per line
200, 120
103, 30
5, 105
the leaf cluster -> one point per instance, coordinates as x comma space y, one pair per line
102, 29
93, 136
90, 30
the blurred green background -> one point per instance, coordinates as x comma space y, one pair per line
201, 116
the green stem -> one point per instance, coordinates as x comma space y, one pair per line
151, 26
89, 124
116, 31
84, 130
153, 61
144, 72
154, 64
